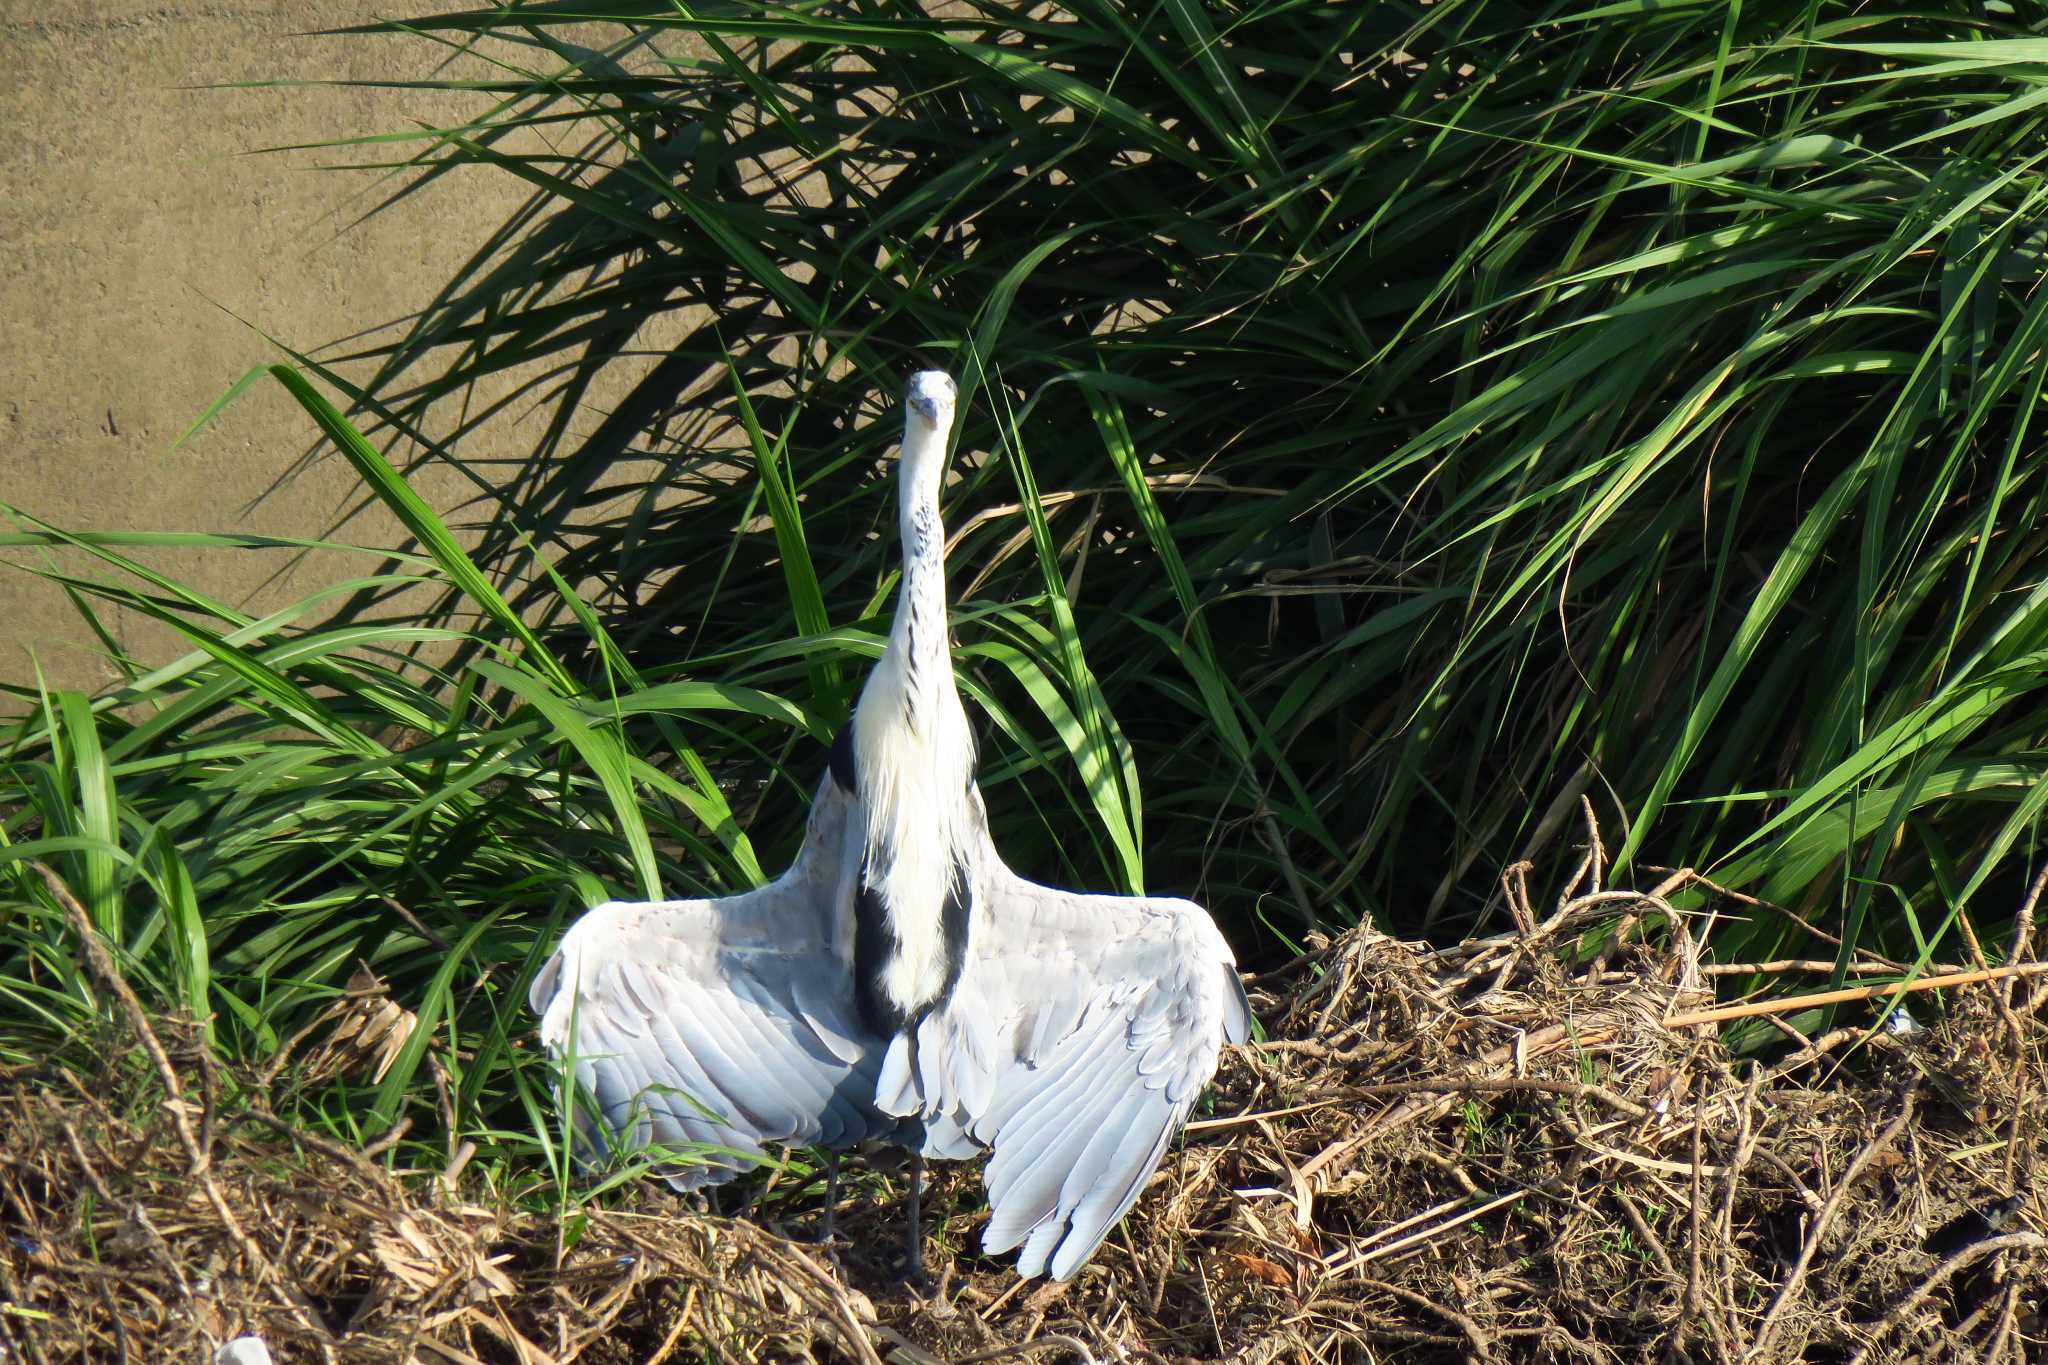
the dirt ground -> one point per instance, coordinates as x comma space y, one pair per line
1539, 1146
149, 248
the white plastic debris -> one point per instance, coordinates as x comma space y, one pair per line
243, 1351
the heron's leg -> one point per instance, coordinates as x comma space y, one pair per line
830, 1228
913, 1258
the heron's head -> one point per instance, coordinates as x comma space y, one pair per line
928, 398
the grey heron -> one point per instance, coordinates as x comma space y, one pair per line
899, 982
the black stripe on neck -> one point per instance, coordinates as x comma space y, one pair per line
841, 763
953, 928
875, 946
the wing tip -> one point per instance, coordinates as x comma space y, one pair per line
548, 982
1237, 1008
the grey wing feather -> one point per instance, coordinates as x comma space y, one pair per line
722, 1023
1079, 1037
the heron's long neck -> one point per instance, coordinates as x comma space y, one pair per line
919, 635
915, 763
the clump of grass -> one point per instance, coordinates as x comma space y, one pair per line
1436, 411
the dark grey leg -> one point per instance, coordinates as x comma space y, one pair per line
913, 1263
831, 1225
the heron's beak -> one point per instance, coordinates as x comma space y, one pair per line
925, 406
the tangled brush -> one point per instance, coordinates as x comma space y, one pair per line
1535, 1146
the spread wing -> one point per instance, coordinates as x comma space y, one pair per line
729, 1022
1081, 1033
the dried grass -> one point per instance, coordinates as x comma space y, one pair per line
1497, 1151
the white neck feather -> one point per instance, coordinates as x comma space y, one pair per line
913, 750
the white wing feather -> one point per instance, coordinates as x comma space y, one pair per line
1080, 1035
728, 1023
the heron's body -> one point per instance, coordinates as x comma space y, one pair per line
899, 982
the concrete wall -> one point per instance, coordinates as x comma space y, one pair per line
141, 245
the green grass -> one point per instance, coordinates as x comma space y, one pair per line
1625, 398
1402, 419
